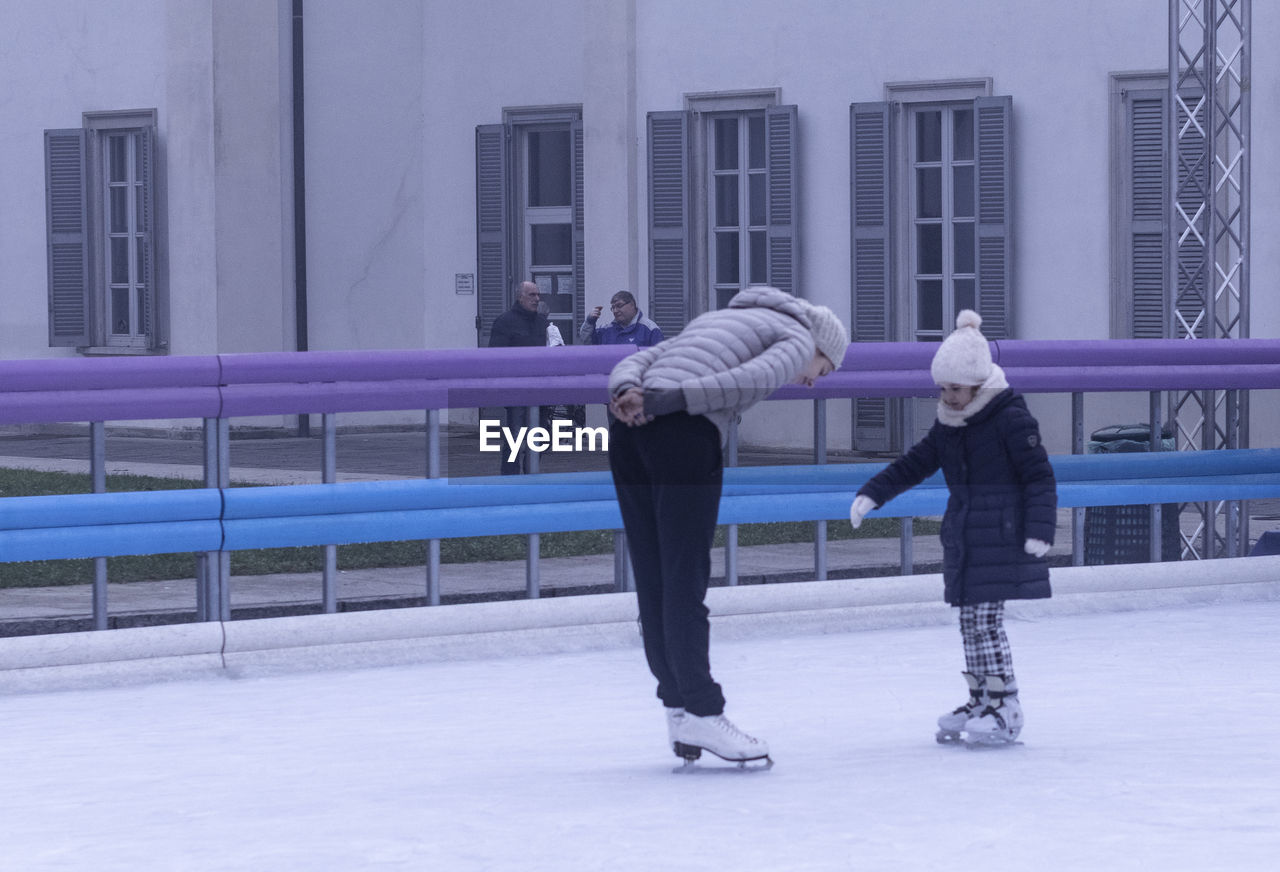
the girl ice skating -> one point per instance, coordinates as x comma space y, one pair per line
998, 525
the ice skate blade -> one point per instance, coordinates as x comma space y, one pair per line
989, 743
691, 753
758, 764
949, 737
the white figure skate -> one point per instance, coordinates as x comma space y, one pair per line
674, 718
717, 734
951, 725
1000, 720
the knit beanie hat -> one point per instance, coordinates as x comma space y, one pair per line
829, 334
964, 358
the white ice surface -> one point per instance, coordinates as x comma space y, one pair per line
1151, 743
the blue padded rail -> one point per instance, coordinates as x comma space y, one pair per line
203, 519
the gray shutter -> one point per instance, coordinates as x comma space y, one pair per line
579, 247
992, 177
669, 220
68, 237
782, 151
147, 226
1145, 154
493, 255
869, 182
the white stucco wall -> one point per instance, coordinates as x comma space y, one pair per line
364, 168
213, 73
253, 229
60, 60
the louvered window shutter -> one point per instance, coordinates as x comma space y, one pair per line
1145, 154
493, 254
869, 175
68, 237
152, 323
992, 177
669, 220
579, 247
782, 150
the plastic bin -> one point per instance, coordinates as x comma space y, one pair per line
1122, 534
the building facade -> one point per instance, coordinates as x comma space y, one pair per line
896, 162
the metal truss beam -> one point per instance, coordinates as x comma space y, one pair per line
1207, 235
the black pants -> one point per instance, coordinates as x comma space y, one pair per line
668, 475
517, 417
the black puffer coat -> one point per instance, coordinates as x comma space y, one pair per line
1002, 493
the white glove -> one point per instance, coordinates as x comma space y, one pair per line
861, 505
1036, 547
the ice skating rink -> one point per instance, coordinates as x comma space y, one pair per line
1151, 743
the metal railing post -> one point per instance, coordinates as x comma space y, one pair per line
329, 475
532, 574
820, 458
1155, 516
731, 531
1077, 447
532, 577
433, 471
622, 580
98, 471
1232, 507
535, 416
206, 565
224, 482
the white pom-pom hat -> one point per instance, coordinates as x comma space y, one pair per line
964, 358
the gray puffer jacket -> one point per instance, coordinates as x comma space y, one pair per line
728, 360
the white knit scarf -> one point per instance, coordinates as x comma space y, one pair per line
987, 391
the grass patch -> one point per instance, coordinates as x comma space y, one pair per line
374, 555
32, 483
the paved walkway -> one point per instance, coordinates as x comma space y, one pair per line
385, 455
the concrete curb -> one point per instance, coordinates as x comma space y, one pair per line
530, 627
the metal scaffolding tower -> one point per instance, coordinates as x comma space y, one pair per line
1207, 242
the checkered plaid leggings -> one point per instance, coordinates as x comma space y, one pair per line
986, 647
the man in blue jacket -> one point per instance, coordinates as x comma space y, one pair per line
628, 327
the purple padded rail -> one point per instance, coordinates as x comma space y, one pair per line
110, 404
99, 373
369, 366
239, 385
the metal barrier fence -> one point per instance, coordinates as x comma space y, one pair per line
215, 520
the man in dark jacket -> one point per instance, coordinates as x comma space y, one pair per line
521, 326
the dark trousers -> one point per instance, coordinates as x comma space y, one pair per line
668, 475
517, 417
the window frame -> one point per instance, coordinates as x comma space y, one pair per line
146, 278
706, 109
552, 278
747, 230
904, 99
947, 274
134, 233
